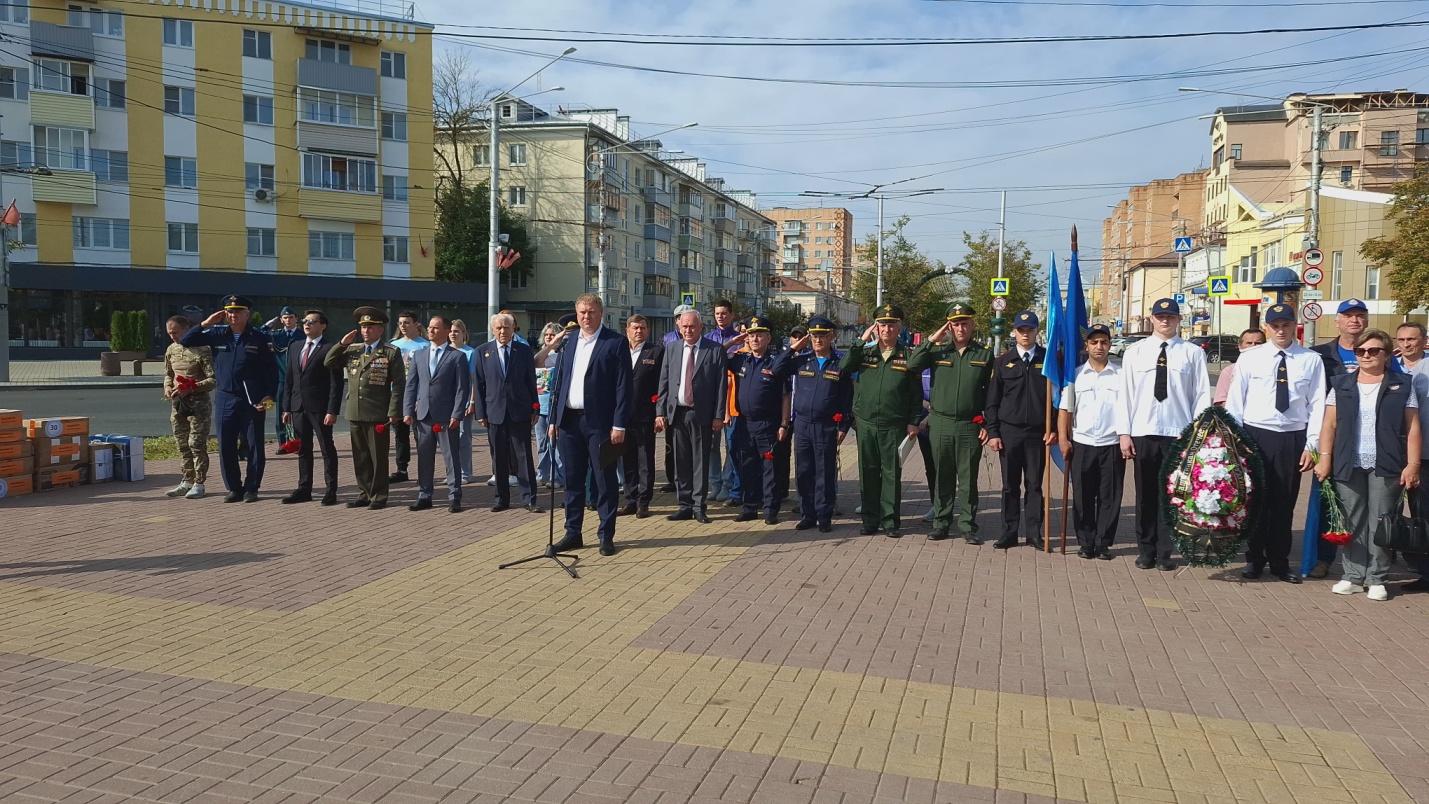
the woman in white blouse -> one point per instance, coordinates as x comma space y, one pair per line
1370, 446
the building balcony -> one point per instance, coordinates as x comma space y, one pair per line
61, 109
332, 138
688, 210
658, 268
722, 223
723, 283
654, 231
723, 255
792, 259
65, 187
766, 268
339, 206
690, 276
655, 195
744, 260
690, 243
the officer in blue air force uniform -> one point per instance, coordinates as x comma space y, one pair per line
823, 413
762, 398
247, 375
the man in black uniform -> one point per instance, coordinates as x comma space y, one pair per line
1017, 429
823, 413
762, 398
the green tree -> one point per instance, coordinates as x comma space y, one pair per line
905, 269
463, 234
1407, 253
979, 267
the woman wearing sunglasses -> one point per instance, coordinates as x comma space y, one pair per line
1370, 447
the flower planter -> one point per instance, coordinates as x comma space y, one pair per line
111, 364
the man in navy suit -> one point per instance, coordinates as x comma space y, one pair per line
590, 405
438, 389
507, 406
645, 361
313, 400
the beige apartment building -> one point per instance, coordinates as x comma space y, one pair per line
816, 246
665, 228
1142, 227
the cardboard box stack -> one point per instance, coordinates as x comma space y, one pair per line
17, 462
61, 448
53, 453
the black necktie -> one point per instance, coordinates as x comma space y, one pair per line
1160, 391
505, 357
1282, 386
1028, 361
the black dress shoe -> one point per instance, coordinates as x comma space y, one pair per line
1104, 554
1086, 552
608, 548
893, 533
1287, 577
420, 505
397, 477
746, 516
233, 496
642, 512
298, 497
330, 498
681, 515
972, 540
454, 506
803, 524
250, 496
1145, 563
668, 487
627, 510
702, 518
360, 502
1251, 571
867, 531
376, 506
499, 507
825, 527
771, 519
938, 535
569, 543
535, 509
1004, 544
1166, 566
1036, 544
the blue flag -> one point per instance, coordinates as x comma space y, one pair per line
1052, 367
1074, 322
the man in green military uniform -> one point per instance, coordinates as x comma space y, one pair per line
375, 384
887, 403
962, 369
188, 381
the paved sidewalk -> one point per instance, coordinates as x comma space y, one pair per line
173, 650
79, 373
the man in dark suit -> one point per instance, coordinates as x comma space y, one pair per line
590, 405
438, 390
507, 406
639, 458
313, 399
692, 402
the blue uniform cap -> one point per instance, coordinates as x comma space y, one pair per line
1279, 312
757, 324
1350, 305
1165, 307
287, 311
820, 324
235, 302
568, 321
1097, 329
1026, 318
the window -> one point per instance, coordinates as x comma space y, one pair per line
1349, 140
1337, 273
394, 126
482, 153
110, 233
394, 249
257, 44
29, 229
1371, 282
70, 77
257, 176
1347, 175
330, 245
506, 111
516, 154
14, 82
1421, 136
183, 237
394, 65
262, 242
1324, 140
179, 100
100, 23
16, 154
394, 187
109, 165
339, 173
61, 148
179, 33
16, 11
1389, 143
342, 108
110, 93
1235, 151
258, 109
516, 196
180, 171
334, 52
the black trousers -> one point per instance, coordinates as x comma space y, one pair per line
1098, 475
670, 455
511, 455
692, 439
1270, 543
1153, 535
404, 444
753, 439
308, 426
1024, 458
639, 463
783, 457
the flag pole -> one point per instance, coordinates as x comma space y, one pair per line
1067, 470
1047, 473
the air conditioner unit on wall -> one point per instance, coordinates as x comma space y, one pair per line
263, 195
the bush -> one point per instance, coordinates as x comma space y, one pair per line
129, 331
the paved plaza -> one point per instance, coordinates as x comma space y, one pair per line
167, 650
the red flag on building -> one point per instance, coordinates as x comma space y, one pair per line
12, 216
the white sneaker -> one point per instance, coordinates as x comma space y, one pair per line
858, 510
179, 490
1346, 588
196, 492
928, 517
491, 481
1378, 592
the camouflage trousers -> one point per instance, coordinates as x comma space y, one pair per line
192, 419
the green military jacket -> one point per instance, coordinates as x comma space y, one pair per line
375, 383
889, 393
959, 379
194, 362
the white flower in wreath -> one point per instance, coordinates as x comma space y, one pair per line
1215, 473
1208, 501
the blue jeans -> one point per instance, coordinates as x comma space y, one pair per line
548, 466
724, 475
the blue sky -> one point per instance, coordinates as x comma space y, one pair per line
780, 139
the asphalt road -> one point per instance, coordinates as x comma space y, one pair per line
130, 411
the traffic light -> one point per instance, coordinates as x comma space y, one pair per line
998, 326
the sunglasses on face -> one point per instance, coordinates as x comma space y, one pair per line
311, 321
1369, 351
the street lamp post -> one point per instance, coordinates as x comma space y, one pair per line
879, 193
5, 271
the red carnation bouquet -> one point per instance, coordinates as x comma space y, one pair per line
185, 383
838, 417
436, 428
979, 420
381, 428
292, 445
768, 456
655, 398
1337, 530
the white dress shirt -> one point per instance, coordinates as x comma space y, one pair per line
688, 353
1097, 396
635, 354
1188, 388
580, 362
1251, 397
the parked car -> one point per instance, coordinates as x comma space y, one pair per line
1118, 345
1219, 348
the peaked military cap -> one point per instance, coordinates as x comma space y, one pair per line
1165, 307
369, 315
236, 302
757, 324
961, 311
568, 321
1026, 318
1279, 312
888, 313
820, 325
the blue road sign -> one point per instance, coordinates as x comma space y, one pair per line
1118, 323
687, 299
1000, 286
1220, 285
1180, 298
1183, 245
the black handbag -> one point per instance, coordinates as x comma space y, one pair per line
1406, 534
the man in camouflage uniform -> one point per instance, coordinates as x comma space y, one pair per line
376, 381
188, 381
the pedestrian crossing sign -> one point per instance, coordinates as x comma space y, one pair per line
687, 299
1000, 286
1219, 286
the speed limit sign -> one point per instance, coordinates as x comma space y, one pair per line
999, 303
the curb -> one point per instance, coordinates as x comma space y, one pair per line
79, 386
